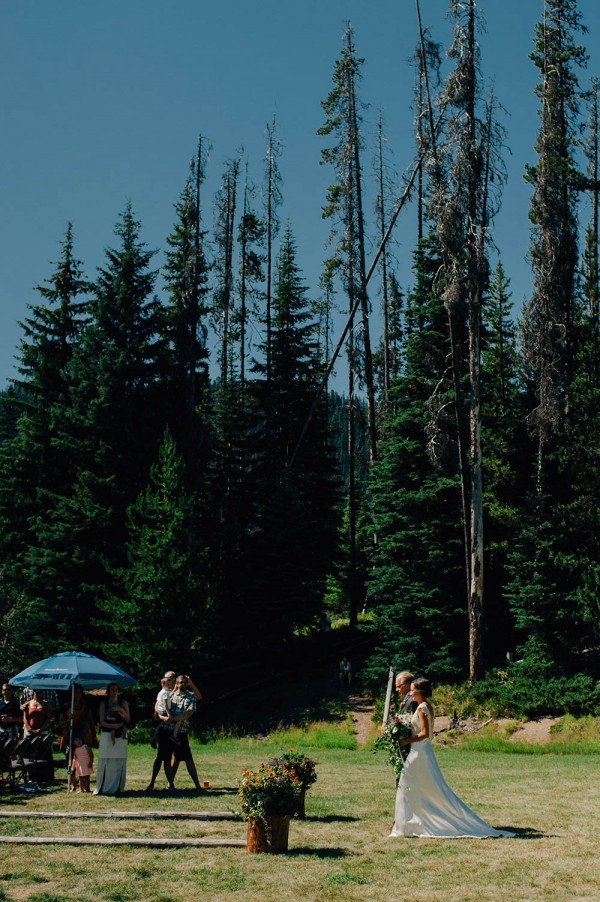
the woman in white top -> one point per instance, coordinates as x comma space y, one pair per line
425, 804
112, 752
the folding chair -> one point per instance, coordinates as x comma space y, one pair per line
12, 770
37, 760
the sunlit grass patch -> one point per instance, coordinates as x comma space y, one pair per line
571, 729
318, 735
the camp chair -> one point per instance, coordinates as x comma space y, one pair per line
12, 770
38, 761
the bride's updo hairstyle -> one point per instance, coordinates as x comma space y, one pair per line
423, 686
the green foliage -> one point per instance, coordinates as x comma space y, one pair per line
534, 690
416, 583
159, 602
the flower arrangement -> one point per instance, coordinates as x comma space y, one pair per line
304, 770
303, 767
396, 729
270, 791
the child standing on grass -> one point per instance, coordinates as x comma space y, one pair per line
82, 766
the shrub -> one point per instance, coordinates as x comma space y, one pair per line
531, 692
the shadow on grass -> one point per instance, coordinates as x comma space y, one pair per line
164, 793
317, 853
528, 833
331, 819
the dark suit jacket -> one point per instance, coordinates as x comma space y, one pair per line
409, 705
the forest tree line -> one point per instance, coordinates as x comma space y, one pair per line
180, 483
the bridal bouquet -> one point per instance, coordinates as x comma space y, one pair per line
396, 729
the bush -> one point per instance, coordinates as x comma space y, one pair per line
529, 692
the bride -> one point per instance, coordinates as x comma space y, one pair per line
425, 804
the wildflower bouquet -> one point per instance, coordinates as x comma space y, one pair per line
270, 791
396, 729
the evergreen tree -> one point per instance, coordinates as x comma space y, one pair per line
506, 455
29, 462
251, 234
554, 561
463, 207
186, 273
31, 465
107, 432
549, 315
158, 604
295, 542
415, 584
272, 200
226, 202
345, 201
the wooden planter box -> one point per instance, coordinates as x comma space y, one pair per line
270, 835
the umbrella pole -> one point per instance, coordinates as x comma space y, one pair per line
71, 736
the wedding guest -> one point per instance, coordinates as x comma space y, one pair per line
345, 672
161, 740
162, 709
83, 720
112, 753
183, 706
10, 712
36, 714
82, 765
50, 696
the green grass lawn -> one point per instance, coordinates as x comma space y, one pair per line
342, 851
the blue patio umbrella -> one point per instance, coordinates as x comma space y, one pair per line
64, 670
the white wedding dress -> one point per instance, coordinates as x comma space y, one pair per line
425, 804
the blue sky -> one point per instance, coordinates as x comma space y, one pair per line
102, 103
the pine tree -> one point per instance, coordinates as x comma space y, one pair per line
251, 234
345, 200
548, 318
506, 455
107, 432
224, 238
157, 603
272, 200
31, 465
415, 586
554, 560
186, 273
29, 460
463, 207
296, 538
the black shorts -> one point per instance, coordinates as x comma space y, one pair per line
164, 745
168, 749
182, 752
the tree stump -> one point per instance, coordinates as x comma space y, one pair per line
268, 835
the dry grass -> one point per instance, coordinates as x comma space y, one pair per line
341, 852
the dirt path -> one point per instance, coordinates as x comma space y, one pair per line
361, 708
